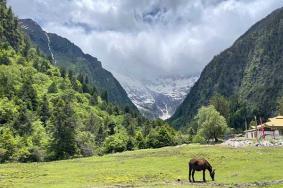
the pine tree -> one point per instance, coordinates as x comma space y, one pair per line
26, 48
44, 111
130, 124
23, 124
91, 123
127, 109
116, 111
63, 72
7, 87
100, 136
85, 88
86, 80
29, 95
93, 99
64, 143
111, 128
81, 78
73, 80
71, 75
104, 96
53, 88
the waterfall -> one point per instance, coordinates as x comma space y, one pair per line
165, 113
48, 43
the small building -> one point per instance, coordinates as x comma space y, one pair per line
272, 128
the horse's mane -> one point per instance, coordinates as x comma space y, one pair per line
209, 166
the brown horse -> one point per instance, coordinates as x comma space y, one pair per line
200, 165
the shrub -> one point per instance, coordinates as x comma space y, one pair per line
183, 139
131, 144
22, 155
160, 137
8, 144
140, 141
198, 139
36, 155
116, 143
2, 154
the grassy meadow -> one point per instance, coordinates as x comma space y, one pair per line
151, 168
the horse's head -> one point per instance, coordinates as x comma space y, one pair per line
212, 174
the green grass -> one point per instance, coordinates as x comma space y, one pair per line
148, 168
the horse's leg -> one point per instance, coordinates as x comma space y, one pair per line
203, 175
190, 170
193, 175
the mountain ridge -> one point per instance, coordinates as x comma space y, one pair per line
69, 56
249, 71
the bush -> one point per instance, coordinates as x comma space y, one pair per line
160, 137
8, 144
140, 141
36, 155
116, 143
151, 139
198, 139
131, 144
183, 139
2, 154
22, 155
8, 110
86, 143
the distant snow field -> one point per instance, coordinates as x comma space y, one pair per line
157, 98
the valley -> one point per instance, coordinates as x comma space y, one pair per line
66, 121
157, 98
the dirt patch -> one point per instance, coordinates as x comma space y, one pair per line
233, 185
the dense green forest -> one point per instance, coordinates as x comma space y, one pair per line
244, 81
47, 113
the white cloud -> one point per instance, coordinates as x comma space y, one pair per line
151, 37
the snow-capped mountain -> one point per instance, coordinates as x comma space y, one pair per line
158, 98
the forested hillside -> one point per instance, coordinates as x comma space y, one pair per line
70, 57
248, 76
47, 113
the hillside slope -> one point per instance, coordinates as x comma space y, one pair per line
250, 71
69, 56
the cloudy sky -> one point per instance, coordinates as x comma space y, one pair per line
147, 38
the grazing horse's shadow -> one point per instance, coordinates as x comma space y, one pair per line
200, 165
